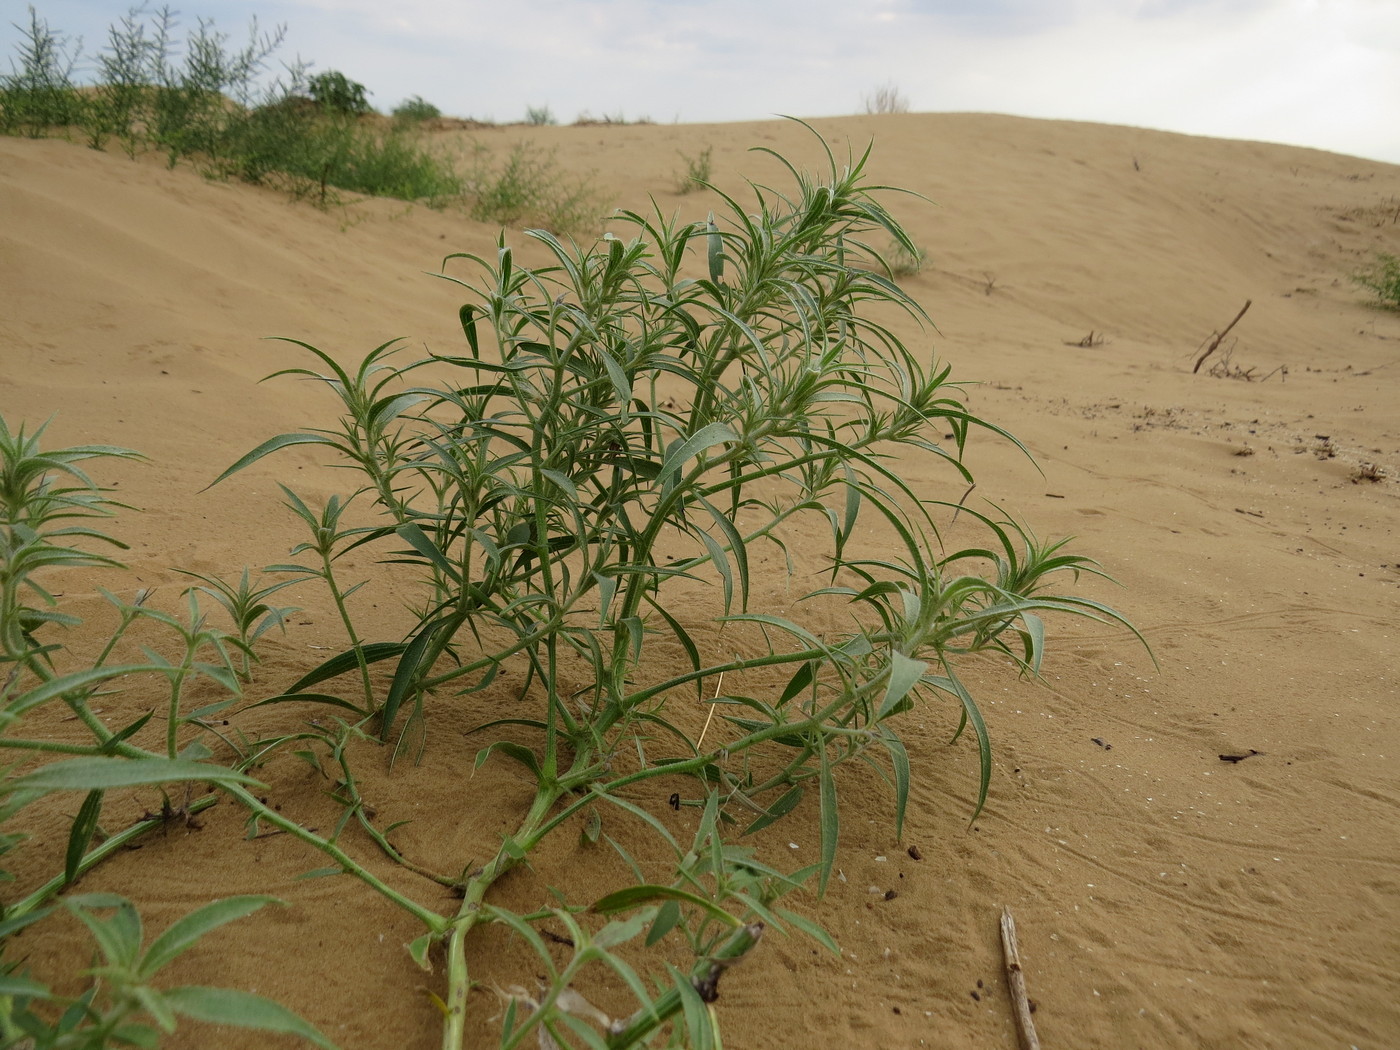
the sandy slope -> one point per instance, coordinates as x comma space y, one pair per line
1165, 898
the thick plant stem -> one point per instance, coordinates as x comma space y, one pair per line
532, 828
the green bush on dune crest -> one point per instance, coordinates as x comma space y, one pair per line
207, 103
590, 498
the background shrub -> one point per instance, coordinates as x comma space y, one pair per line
529, 187
416, 109
334, 92
39, 94
886, 99
1383, 278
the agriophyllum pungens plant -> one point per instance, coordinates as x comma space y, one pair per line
640, 416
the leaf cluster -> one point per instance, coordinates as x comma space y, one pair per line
48, 507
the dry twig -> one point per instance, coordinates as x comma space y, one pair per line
1016, 981
1220, 336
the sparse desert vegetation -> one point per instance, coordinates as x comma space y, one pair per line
646, 638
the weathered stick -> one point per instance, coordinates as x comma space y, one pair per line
1220, 336
1016, 981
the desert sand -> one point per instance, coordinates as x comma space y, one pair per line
1165, 898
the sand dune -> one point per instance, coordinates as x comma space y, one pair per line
1165, 898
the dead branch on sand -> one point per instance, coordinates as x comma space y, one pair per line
1221, 335
1016, 981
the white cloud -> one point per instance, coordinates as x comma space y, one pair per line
1313, 72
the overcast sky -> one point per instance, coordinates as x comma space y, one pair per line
1323, 73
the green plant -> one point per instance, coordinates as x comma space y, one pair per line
539, 116
38, 94
112, 1011
207, 100
415, 110
904, 261
530, 187
621, 422
48, 506
334, 92
1383, 278
697, 171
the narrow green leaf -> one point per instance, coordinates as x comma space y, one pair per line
904, 675
420, 542
632, 896
620, 931
706, 437
243, 1010
811, 929
13, 986
979, 728
407, 673
103, 773
519, 752
780, 808
418, 950
799, 683
715, 250
699, 1027
830, 821
80, 834
346, 661
308, 698
269, 446
737, 549
75, 682
899, 759
118, 935
667, 916
184, 932
321, 873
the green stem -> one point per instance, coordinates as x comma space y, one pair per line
431, 919
329, 575
97, 854
531, 829
707, 970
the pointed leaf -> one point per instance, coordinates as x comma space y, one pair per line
184, 932
80, 835
272, 445
830, 821
347, 661
103, 773
241, 1009
904, 675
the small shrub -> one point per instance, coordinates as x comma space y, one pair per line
334, 92
1383, 278
539, 116
415, 110
558, 510
530, 188
904, 260
886, 99
39, 94
697, 171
